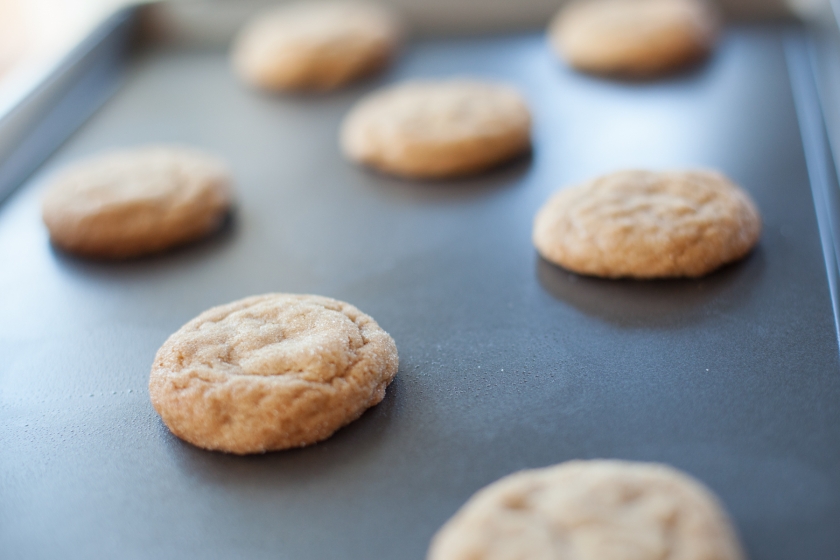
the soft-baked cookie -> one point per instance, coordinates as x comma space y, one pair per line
135, 202
317, 45
642, 224
635, 38
271, 372
436, 129
590, 510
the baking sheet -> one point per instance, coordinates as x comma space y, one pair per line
507, 362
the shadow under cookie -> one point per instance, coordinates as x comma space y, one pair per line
193, 250
506, 175
655, 303
686, 72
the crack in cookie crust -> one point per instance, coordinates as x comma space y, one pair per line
271, 372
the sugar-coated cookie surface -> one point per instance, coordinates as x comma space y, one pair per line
319, 45
590, 510
138, 201
271, 372
633, 37
642, 224
436, 129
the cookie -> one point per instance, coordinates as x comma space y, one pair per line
315, 45
135, 202
271, 372
590, 510
641, 224
437, 129
634, 38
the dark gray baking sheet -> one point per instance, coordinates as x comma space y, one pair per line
507, 362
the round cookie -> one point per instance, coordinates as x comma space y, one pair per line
135, 202
437, 129
271, 372
642, 224
590, 510
315, 45
634, 38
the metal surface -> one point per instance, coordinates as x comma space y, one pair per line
507, 362
85, 79
814, 122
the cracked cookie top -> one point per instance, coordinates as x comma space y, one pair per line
271, 372
643, 224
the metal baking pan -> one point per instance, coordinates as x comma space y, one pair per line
507, 362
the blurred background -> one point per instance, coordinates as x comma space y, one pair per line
35, 34
31, 29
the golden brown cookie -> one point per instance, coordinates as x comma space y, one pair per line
271, 372
635, 38
590, 510
135, 202
315, 45
642, 224
436, 129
